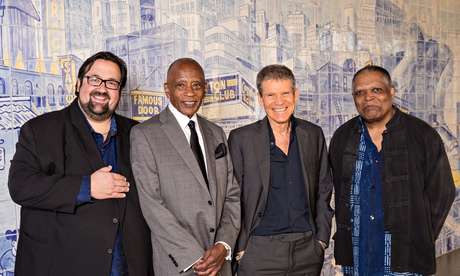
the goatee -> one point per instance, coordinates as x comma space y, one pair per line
95, 111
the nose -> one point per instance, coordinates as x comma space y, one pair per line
279, 100
369, 96
189, 91
103, 86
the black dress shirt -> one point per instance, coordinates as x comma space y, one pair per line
287, 204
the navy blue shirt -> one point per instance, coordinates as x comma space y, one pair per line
287, 204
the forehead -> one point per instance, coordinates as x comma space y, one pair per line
185, 70
276, 84
105, 69
370, 78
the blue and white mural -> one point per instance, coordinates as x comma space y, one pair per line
44, 42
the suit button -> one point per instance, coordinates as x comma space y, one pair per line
259, 215
109, 250
115, 220
212, 230
209, 203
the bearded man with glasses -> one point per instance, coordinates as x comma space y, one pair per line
71, 174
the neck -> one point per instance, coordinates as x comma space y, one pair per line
102, 127
379, 125
281, 129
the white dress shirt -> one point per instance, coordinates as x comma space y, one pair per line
183, 123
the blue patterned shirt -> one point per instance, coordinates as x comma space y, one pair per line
371, 243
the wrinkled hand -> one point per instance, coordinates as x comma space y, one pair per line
106, 184
211, 262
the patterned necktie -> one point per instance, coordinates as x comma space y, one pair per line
195, 145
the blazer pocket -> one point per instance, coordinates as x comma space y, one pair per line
34, 237
220, 151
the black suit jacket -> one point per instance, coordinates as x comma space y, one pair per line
250, 151
57, 237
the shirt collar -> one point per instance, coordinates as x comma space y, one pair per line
182, 119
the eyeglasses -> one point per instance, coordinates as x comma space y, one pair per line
96, 81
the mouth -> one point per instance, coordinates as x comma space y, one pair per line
99, 96
370, 106
279, 110
189, 103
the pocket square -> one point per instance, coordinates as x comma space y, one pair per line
221, 151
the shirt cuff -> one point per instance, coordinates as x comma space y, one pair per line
228, 248
84, 195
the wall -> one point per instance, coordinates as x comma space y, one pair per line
44, 42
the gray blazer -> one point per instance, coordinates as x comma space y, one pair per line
250, 150
185, 218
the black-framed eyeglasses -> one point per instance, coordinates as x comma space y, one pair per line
96, 81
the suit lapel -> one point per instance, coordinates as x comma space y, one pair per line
302, 141
261, 145
176, 137
123, 163
208, 139
84, 138
122, 145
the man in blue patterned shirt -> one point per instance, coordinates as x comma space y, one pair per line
393, 185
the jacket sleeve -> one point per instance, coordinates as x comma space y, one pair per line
231, 214
37, 181
238, 172
439, 183
324, 211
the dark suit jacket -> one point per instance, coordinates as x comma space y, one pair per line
57, 237
250, 151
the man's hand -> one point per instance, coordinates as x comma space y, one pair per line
238, 256
106, 184
322, 244
212, 261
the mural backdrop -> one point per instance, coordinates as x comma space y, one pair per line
44, 42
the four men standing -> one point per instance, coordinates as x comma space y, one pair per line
392, 181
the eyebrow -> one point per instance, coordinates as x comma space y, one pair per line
96, 75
